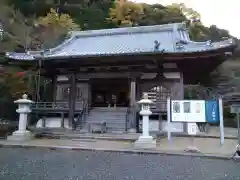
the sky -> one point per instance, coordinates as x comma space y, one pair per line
223, 13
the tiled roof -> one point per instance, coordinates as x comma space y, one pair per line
170, 38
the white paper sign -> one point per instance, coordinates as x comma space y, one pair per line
188, 111
192, 128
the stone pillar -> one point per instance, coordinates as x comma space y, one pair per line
145, 141
24, 109
132, 116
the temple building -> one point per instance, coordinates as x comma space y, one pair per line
97, 76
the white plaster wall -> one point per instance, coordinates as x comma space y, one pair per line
153, 125
175, 127
52, 122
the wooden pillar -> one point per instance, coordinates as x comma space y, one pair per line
178, 94
138, 98
132, 115
138, 90
30, 85
62, 120
54, 88
181, 85
72, 100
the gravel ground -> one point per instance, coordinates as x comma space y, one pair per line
43, 164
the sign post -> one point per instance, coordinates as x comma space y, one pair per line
235, 109
192, 131
169, 119
238, 126
214, 113
221, 123
192, 112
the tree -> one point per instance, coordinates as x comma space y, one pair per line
126, 13
217, 34
16, 28
89, 14
29, 34
12, 83
51, 29
158, 14
32, 33
63, 21
174, 14
188, 12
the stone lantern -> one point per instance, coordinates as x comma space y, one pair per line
145, 141
24, 108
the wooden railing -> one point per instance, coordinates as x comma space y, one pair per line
159, 106
159, 103
58, 105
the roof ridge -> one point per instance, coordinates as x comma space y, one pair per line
61, 45
117, 31
127, 30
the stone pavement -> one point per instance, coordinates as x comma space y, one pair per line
228, 132
46, 164
214, 132
209, 147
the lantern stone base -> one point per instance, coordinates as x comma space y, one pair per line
145, 142
132, 130
20, 136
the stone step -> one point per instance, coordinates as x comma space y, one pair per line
106, 114
103, 113
112, 124
114, 117
109, 110
107, 117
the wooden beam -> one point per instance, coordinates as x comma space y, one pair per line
162, 79
136, 69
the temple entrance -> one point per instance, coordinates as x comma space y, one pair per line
110, 92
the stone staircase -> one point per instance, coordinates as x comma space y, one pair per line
115, 118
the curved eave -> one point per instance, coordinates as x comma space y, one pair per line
191, 49
20, 56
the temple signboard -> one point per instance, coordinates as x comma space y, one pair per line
194, 111
188, 111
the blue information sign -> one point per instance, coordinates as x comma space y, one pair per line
212, 111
